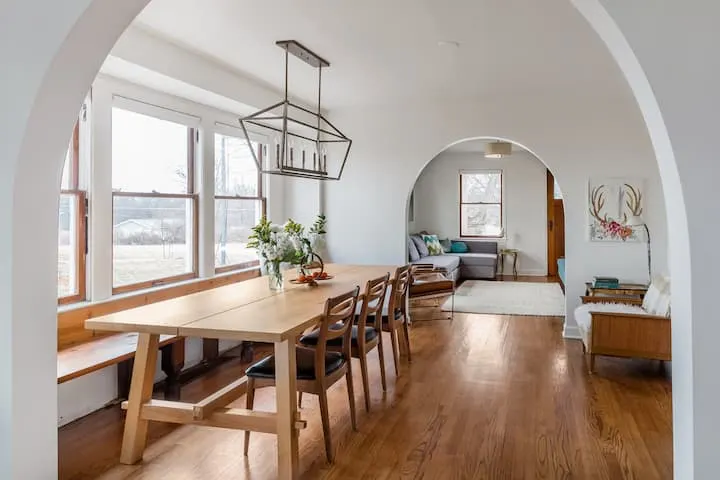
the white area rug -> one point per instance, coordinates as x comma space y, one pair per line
509, 298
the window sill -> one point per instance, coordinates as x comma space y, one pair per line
160, 288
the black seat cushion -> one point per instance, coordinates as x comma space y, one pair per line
313, 337
371, 318
305, 362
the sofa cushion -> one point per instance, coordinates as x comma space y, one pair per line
413, 251
433, 244
458, 247
445, 263
478, 259
420, 245
446, 244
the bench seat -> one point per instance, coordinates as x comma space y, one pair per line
91, 356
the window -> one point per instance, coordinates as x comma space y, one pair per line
239, 202
154, 205
72, 227
481, 204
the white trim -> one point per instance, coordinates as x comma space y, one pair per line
571, 332
156, 111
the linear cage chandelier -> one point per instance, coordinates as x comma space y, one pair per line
301, 143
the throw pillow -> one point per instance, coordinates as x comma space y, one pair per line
413, 251
459, 247
433, 245
446, 244
420, 245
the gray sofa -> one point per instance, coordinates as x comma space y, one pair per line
480, 262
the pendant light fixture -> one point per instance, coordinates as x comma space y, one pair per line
498, 149
302, 142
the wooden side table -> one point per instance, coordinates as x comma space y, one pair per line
513, 252
633, 290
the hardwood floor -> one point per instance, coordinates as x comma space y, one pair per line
486, 397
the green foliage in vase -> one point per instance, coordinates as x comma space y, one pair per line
318, 227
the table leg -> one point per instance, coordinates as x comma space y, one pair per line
141, 386
515, 272
286, 392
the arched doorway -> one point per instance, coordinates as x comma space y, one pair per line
80, 33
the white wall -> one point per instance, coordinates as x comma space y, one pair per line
390, 152
437, 193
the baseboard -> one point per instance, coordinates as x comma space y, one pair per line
571, 332
532, 273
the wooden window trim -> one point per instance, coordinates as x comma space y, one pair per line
81, 224
195, 237
461, 204
262, 199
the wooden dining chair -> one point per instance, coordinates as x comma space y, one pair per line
394, 315
365, 335
317, 368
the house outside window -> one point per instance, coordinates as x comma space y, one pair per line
481, 208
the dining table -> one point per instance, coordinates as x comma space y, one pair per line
245, 311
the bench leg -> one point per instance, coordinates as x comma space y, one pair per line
211, 349
135, 434
123, 378
247, 352
172, 362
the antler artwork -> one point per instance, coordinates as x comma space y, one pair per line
611, 227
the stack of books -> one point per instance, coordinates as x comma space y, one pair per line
605, 282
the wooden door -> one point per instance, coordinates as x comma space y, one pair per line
555, 226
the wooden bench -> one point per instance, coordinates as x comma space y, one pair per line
119, 350
82, 351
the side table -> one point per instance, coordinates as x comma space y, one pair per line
512, 252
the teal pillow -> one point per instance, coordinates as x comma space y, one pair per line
459, 247
433, 244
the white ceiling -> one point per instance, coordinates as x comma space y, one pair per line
383, 51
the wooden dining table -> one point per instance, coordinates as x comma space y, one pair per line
246, 311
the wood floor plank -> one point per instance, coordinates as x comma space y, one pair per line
486, 397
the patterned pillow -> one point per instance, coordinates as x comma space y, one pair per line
433, 245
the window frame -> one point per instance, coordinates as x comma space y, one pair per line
260, 197
81, 225
502, 200
192, 137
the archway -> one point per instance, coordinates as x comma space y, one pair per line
525, 207
44, 95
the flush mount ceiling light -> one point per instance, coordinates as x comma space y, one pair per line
302, 142
498, 149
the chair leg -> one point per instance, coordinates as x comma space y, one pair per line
249, 402
351, 396
396, 353
325, 416
592, 363
366, 384
406, 334
381, 357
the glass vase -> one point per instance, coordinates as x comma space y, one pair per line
275, 276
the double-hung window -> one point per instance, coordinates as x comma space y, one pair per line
154, 208
72, 227
239, 201
481, 210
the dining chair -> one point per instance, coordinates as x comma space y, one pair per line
317, 368
366, 334
394, 315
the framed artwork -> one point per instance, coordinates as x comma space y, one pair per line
612, 202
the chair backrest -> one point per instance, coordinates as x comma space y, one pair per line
373, 302
337, 322
398, 293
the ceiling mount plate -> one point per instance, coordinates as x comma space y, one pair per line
303, 53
